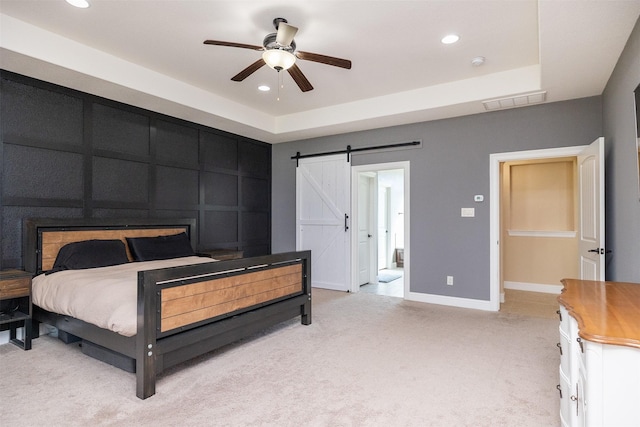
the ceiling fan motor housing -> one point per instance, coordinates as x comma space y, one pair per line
277, 21
269, 43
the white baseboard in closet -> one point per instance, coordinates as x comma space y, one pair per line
533, 287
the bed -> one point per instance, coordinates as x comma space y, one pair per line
180, 312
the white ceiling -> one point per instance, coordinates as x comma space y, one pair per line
149, 53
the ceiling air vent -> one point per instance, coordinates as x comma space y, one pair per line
515, 101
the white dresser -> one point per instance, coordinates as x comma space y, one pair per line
600, 353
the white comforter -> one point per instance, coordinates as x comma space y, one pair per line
105, 296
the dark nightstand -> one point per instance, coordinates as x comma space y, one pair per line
222, 254
15, 305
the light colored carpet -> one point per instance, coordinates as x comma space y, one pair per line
367, 360
534, 304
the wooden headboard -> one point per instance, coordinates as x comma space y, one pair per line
43, 238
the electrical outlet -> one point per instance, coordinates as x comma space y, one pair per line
450, 280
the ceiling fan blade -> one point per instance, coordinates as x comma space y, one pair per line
299, 78
286, 33
232, 44
248, 71
323, 59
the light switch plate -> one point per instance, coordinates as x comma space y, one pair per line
468, 212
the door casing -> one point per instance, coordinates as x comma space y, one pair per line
355, 170
494, 197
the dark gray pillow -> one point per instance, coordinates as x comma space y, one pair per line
161, 247
90, 254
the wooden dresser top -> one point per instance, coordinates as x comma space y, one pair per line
606, 312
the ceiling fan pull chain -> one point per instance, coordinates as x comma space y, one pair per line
279, 85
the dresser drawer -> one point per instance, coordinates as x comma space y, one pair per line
564, 319
15, 287
565, 400
565, 350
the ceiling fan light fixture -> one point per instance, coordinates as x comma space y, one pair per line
279, 59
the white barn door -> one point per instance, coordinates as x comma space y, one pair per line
591, 228
323, 223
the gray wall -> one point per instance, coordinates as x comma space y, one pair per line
450, 168
623, 207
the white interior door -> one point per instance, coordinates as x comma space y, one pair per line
591, 227
383, 227
365, 235
323, 195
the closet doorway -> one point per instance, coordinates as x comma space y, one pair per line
538, 232
380, 208
582, 216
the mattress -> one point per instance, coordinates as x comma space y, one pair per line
105, 296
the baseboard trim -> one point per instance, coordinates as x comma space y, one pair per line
533, 287
328, 286
450, 301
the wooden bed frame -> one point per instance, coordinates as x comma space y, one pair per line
182, 312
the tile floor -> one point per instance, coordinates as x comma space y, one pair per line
394, 288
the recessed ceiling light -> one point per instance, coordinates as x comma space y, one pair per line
79, 3
264, 88
451, 38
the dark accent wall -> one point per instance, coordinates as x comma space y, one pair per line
68, 154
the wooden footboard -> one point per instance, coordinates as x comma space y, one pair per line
191, 310
183, 304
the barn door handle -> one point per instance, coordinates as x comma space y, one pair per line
346, 227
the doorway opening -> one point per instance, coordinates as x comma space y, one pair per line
539, 216
380, 202
546, 224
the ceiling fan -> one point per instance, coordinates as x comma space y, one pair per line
279, 53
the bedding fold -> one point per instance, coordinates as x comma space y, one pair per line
104, 296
